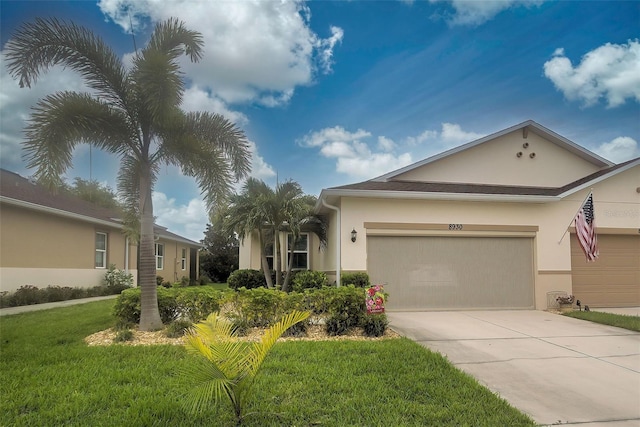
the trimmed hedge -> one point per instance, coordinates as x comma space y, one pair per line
359, 280
249, 279
309, 280
251, 307
29, 294
194, 303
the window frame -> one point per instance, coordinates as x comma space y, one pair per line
306, 251
102, 251
183, 259
159, 258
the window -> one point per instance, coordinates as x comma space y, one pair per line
300, 251
101, 250
268, 250
159, 256
184, 259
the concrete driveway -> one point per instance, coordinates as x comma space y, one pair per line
554, 368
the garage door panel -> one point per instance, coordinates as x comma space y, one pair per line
453, 272
613, 280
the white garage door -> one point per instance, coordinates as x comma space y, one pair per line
613, 279
423, 273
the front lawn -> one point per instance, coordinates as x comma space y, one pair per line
49, 376
631, 323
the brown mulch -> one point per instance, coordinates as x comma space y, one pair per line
314, 333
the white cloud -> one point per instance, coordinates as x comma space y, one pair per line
610, 71
353, 155
15, 105
259, 168
253, 50
386, 144
196, 99
620, 149
188, 220
424, 136
475, 13
450, 135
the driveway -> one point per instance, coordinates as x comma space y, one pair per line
554, 368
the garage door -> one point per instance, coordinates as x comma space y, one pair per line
423, 273
613, 280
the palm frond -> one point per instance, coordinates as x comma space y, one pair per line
63, 120
37, 46
170, 35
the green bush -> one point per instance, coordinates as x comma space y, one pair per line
192, 303
29, 294
125, 335
117, 280
309, 280
249, 279
375, 325
260, 306
177, 328
359, 280
337, 324
345, 301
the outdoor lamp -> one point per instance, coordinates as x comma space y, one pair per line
354, 234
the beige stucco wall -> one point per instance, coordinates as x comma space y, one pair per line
42, 249
172, 270
617, 209
495, 162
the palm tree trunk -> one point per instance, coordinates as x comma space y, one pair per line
149, 313
287, 278
263, 257
277, 263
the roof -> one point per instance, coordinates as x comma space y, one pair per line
470, 192
530, 126
19, 191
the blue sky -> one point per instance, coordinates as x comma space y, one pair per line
332, 93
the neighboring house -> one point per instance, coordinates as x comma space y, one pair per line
57, 239
482, 226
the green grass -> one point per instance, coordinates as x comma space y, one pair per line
48, 376
621, 321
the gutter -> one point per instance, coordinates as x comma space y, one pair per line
339, 245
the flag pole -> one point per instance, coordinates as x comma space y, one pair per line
574, 216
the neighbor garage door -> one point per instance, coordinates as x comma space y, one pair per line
613, 279
422, 273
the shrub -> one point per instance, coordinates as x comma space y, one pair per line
260, 307
337, 324
249, 279
122, 336
375, 325
359, 280
193, 303
309, 280
27, 295
204, 280
345, 301
117, 280
177, 328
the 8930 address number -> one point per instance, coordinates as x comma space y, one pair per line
455, 227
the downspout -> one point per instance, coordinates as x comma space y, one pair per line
337, 209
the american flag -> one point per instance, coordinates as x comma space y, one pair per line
586, 229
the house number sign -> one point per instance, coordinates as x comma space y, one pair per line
455, 227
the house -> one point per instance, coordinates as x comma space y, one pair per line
482, 226
57, 239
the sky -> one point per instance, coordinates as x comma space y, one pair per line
331, 93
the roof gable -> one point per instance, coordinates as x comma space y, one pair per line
523, 155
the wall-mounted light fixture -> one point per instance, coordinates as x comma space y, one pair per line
354, 235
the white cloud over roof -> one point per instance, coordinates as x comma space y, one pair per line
473, 13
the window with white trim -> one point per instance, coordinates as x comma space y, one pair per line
268, 251
300, 251
184, 259
159, 256
101, 250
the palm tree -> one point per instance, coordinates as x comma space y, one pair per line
133, 113
271, 212
246, 214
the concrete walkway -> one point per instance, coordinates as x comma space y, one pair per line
554, 368
46, 306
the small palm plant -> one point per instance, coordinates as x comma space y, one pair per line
226, 366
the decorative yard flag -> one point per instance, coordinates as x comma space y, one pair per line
586, 229
374, 299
